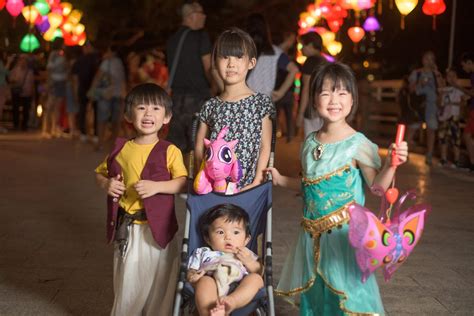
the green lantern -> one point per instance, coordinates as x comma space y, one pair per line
57, 34
29, 43
42, 6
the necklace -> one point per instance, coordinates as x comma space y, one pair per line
318, 152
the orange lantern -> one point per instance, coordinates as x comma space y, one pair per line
335, 24
66, 7
30, 13
334, 48
405, 7
434, 8
356, 33
54, 19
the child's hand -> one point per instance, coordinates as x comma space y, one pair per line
146, 188
276, 176
277, 95
115, 186
401, 152
244, 255
195, 275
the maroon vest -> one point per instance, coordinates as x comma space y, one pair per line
159, 207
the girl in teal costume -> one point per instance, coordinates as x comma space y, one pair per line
321, 273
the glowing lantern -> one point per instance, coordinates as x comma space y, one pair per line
328, 37
42, 6
29, 43
43, 26
75, 16
365, 4
335, 25
405, 7
30, 13
67, 8
55, 19
2, 4
57, 33
356, 33
371, 24
434, 8
78, 29
67, 27
349, 4
82, 39
49, 34
334, 48
14, 7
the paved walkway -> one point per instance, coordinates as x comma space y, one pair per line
54, 260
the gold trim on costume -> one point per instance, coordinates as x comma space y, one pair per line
308, 181
297, 290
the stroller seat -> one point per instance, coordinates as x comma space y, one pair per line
258, 204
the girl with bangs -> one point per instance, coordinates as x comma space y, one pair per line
320, 273
247, 114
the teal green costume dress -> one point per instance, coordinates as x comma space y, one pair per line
320, 273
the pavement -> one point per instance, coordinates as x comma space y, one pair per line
54, 259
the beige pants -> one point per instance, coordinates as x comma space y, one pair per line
145, 279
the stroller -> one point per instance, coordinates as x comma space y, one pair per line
258, 204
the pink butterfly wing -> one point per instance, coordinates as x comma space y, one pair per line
410, 229
371, 240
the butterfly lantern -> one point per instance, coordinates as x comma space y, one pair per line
386, 241
220, 165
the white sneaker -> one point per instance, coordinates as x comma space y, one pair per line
184, 196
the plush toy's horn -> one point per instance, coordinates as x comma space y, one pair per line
223, 132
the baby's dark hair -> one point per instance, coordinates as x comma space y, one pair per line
234, 42
341, 76
147, 93
232, 213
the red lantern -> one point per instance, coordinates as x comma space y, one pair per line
2, 4
335, 24
434, 8
14, 7
356, 33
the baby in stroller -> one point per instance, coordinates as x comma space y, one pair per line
213, 270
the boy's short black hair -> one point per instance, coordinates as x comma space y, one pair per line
147, 93
312, 38
232, 213
341, 76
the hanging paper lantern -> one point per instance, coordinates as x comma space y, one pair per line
334, 48
29, 43
55, 19
365, 4
356, 33
328, 37
434, 8
349, 4
405, 7
82, 39
371, 24
30, 13
335, 25
78, 29
57, 34
42, 6
75, 16
67, 8
49, 34
2, 4
14, 7
43, 26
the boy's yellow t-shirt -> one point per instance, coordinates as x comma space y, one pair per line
132, 159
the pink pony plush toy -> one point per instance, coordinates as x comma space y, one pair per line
220, 164
385, 241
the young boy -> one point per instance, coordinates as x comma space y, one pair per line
449, 127
225, 228
140, 177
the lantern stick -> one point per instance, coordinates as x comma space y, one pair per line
402, 22
434, 22
379, 7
